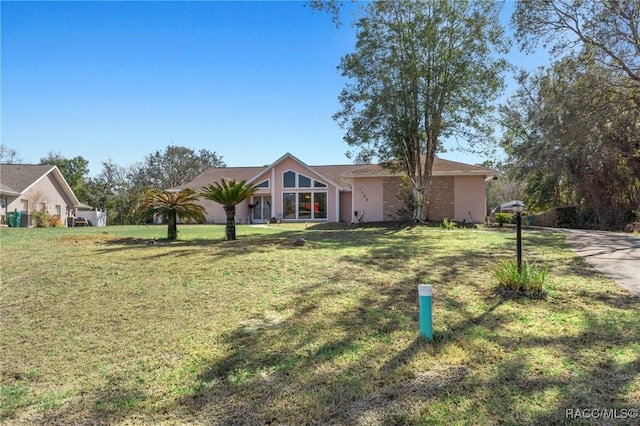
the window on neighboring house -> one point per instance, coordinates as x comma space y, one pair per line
25, 205
58, 210
264, 184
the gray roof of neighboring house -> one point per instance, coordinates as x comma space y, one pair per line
336, 173
17, 178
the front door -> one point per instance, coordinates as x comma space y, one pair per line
261, 208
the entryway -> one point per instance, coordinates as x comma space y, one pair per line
261, 209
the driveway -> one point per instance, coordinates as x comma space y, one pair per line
614, 254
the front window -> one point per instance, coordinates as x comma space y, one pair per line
304, 182
289, 180
304, 205
289, 205
320, 205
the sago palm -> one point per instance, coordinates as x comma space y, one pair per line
173, 205
229, 195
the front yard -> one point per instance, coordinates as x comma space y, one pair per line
105, 325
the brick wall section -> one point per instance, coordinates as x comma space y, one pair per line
441, 198
391, 192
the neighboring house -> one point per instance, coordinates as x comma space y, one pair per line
27, 187
290, 190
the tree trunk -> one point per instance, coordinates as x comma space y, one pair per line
172, 228
230, 229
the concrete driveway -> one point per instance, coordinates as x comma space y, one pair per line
615, 254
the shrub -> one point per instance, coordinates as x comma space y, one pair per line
504, 218
40, 218
54, 221
448, 224
528, 280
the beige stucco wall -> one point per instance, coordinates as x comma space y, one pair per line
367, 197
216, 214
346, 214
470, 199
48, 191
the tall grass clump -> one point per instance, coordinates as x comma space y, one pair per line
448, 224
529, 279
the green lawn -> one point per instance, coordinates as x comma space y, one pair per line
99, 326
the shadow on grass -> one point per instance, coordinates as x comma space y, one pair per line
331, 356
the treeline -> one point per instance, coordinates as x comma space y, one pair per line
119, 190
572, 130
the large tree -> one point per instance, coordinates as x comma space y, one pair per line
74, 170
174, 166
608, 30
575, 136
172, 206
229, 195
113, 189
421, 72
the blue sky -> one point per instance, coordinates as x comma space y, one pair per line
119, 80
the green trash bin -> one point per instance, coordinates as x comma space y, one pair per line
13, 218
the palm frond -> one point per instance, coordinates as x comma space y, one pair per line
183, 204
228, 194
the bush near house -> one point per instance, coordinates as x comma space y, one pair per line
502, 218
42, 219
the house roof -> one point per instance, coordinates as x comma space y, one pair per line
15, 179
339, 175
441, 167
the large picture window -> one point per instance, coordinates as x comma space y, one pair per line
304, 205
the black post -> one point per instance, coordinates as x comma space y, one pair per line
519, 240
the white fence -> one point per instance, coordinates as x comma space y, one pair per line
97, 218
